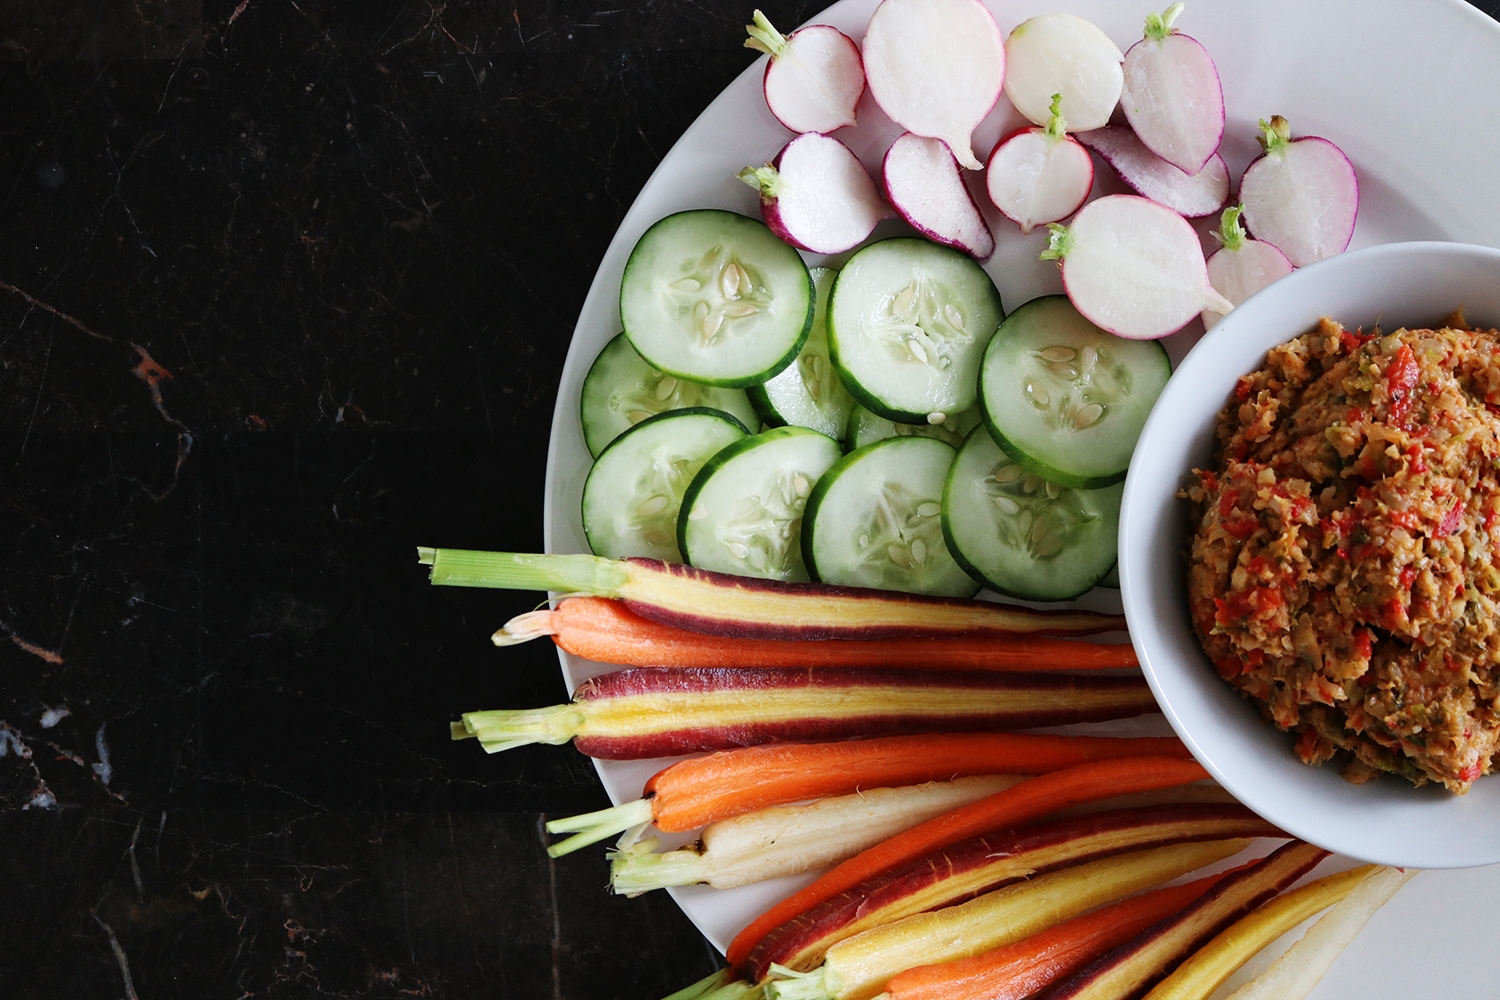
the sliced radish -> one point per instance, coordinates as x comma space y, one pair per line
1192, 195
1063, 54
1133, 267
816, 195
1039, 175
1302, 196
936, 68
1172, 96
814, 78
925, 185
1241, 266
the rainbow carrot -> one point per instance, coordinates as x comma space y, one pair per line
606, 631
1028, 800
1016, 971
648, 712
693, 793
737, 606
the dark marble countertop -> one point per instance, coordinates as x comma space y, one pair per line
285, 289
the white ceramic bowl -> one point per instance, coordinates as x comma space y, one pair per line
1386, 821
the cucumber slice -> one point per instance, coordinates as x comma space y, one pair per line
1022, 535
743, 512
875, 520
621, 390
1111, 579
634, 490
715, 297
865, 428
1064, 398
808, 392
907, 327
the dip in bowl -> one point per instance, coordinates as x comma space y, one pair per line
1413, 285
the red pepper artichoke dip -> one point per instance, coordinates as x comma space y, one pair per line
1343, 571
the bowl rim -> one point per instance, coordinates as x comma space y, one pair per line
1270, 317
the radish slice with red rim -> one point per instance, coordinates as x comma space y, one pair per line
1241, 266
1134, 267
925, 185
815, 77
1063, 53
1039, 175
816, 195
1302, 196
1172, 95
1190, 195
936, 68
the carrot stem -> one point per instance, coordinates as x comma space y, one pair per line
607, 631
1028, 800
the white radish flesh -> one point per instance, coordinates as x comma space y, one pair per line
924, 184
1302, 196
1242, 266
1063, 54
1036, 175
1297, 971
1172, 95
1134, 268
1190, 195
786, 840
816, 195
815, 76
936, 68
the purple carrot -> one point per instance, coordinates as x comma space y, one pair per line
665, 711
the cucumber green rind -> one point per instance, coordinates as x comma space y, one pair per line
1128, 377
618, 371
940, 575
727, 455
787, 399
986, 556
872, 281
756, 347
617, 469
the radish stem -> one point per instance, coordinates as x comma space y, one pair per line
1231, 234
1275, 135
1158, 26
590, 828
765, 38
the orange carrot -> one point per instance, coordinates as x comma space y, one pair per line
605, 630
1021, 969
1059, 789
703, 789
700, 790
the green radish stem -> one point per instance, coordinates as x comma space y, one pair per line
1058, 244
1057, 125
590, 828
524, 571
764, 37
766, 180
508, 728
1275, 135
1231, 233
1159, 26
